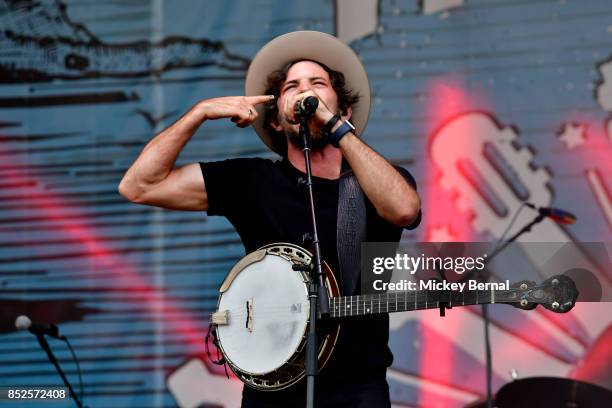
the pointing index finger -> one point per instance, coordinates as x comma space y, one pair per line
257, 99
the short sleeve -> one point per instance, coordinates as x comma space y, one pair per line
223, 181
406, 174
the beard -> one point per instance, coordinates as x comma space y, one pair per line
318, 140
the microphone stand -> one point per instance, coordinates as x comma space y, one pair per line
485, 308
538, 218
316, 289
45, 346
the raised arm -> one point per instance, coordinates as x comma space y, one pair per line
152, 178
394, 199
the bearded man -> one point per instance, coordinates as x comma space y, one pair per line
266, 201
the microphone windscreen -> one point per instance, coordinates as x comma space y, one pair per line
311, 102
566, 219
23, 323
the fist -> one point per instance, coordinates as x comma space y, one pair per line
320, 117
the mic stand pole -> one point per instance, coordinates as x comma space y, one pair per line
316, 288
45, 346
513, 238
485, 309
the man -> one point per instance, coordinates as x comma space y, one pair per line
266, 200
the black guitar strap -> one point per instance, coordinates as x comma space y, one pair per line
351, 229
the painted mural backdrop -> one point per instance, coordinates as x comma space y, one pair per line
487, 102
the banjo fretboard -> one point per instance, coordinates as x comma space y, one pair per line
391, 302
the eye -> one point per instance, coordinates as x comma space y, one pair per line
289, 86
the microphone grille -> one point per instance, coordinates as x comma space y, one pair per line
311, 102
23, 323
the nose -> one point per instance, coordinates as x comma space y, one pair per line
303, 86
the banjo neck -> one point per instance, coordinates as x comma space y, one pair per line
392, 302
557, 294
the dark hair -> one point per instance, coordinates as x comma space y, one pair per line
346, 98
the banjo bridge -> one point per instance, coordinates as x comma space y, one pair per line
249, 318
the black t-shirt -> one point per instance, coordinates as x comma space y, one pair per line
267, 203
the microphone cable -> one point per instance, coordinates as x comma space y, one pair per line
78, 365
500, 240
486, 318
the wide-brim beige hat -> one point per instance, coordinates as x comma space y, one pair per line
310, 45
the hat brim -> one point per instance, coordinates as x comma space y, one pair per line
309, 45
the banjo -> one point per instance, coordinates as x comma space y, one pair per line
262, 315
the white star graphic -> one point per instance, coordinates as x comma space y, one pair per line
441, 234
573, 135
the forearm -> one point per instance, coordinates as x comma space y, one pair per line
159, 156
394, 199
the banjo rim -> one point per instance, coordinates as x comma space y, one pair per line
290, 252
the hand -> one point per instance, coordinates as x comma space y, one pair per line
321, 116
240, 108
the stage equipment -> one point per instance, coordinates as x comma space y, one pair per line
39, 330
551, 392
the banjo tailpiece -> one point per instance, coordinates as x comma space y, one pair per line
212, 332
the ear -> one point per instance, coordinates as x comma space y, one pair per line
348, 114
275, 125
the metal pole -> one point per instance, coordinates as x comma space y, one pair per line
317, 294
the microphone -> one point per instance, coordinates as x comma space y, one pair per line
307, 106
557, 215
24, 323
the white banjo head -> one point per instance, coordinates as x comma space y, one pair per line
268, 307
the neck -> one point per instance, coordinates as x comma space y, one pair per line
416, 300
324, 163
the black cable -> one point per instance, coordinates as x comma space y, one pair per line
488, 358
76, 360
486, 320
514, 218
